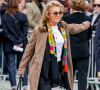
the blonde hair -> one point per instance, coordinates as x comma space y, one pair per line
46, 10
80, 5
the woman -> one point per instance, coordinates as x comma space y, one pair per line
49, 50
15, 27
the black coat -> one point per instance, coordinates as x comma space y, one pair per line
12, 34
97, 46
80, 41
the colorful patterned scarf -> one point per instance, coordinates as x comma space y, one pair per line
53, 45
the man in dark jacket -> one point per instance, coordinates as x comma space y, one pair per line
97, 49
80, 44
96, 14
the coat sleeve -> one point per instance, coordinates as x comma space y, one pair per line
77, 28
29, 52
30, 16
97, 47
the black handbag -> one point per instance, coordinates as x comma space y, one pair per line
19, 83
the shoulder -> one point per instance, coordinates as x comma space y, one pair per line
21, 15
30, 4
40, 29
86, 18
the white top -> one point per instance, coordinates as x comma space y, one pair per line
59, 42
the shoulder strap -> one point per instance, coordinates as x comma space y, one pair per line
14, 18
16, 21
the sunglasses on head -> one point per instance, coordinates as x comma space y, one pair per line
94, 5
57, 13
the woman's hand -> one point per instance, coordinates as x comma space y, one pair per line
98, 74
86, 24
20, 45
20, 74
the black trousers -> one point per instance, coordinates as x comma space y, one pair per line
81, 64
44, 85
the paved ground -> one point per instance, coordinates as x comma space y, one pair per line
7, 86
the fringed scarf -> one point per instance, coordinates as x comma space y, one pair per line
52, 45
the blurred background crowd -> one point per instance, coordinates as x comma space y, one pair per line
31, 17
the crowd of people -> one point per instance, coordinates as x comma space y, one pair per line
58, 44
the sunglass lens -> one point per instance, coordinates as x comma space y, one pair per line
60, 12
55, 13
94, 5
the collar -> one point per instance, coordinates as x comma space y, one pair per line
77, 11
96, 13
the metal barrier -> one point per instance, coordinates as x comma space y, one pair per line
92, 79
2, 76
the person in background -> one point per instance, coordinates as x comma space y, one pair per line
89, 10
34, 16
15, 29
2, 11
48, 50
94, 22
80, 43
96, 14
65, 4
97, 49
69, 11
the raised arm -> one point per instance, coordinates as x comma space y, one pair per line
77, 28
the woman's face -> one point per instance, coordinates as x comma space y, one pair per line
55, 14
22, 4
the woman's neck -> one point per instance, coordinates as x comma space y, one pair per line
52, 24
